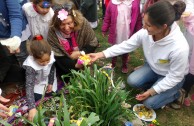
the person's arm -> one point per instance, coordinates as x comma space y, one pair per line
176, 73
51, 75
85, 5
87, 40
15, 22
65, 63
138, 24
189, 23
107, 20
127, 46
51, 79
3, 108
30, 78
15, 17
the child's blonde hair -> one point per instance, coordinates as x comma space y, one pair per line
70, 8
38, 47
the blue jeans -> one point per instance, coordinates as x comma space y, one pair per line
144, 78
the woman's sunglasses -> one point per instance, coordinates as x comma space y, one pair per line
66, 6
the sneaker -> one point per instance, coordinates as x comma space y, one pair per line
125, 70
177, 104
163, 107
182, 96
187, 102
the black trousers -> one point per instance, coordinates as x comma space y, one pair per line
10, 71
103, 9
189, 82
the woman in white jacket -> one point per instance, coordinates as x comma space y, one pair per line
166, 51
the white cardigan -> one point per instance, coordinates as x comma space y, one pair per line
38, 24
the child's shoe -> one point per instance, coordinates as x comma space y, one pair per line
192, 97
177, 104
187, 102
125, 69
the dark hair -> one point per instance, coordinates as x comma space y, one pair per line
70, 8
39, 47
163, 12
38, 1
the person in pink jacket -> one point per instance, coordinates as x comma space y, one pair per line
122, 19
189, 80
188, 21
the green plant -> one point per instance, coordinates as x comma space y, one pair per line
93, 92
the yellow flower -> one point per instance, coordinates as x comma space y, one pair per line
154, 121
85, 59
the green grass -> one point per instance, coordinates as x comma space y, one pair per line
166, 117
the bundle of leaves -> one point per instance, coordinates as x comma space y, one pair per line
92, 91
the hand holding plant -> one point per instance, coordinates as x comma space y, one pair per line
3, 108
96, 56
49, 88
32, 114
75, 55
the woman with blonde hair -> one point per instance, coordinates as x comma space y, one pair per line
69, 34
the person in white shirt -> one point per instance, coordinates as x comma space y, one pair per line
166, 51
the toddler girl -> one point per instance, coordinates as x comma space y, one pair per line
40, 72
122, 19
39, 14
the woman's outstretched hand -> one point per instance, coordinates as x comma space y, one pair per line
96, 56
143, 96
3, 109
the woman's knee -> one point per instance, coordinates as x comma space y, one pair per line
132, 81
149, 103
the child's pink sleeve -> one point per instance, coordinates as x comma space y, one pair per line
74, 44
107, 19
189, 23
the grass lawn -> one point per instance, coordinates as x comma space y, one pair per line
167, 116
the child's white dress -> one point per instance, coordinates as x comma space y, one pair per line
42, 74
123, 19
38, 24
